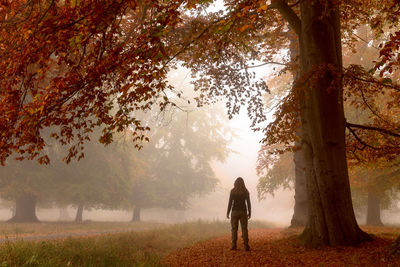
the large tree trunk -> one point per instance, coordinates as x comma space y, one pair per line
25, 209
374, 209
79, 214
136, 214
300, 191
331, 219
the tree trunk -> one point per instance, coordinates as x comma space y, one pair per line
79, 213
25, 209
136, 214
331, 219
300, 191
374, 209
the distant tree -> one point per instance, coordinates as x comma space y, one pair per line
375, 187
26, 183
100, 180
178, 160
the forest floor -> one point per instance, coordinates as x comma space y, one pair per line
281, 247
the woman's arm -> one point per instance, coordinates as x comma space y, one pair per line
229, 206
248, 206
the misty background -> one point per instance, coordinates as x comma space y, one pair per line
241, 161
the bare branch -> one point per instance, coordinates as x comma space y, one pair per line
266, 63
372, 128
370, 108
295, 4
392, 86
358, 138
365, 41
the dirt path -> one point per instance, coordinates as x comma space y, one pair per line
280, 247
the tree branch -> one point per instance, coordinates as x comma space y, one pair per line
372, 128
295, 4
288, 13
392, 86
265, 63
370, 108
358, 138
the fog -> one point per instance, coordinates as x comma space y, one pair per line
209, 205
277, 209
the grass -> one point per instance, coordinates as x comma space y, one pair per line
140, 248
43, 228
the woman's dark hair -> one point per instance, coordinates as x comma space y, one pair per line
239, 188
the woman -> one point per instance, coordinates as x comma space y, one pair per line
238, 199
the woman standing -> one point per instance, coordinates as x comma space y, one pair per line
238, 199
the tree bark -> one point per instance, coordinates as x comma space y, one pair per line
374, 209
79, 214
25, 209
300, 191
136, 214
331, 219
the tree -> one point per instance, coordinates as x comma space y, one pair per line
375, 186
323, 126
26, 183
179, 159
362, 52
101, 180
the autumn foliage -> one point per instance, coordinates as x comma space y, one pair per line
75, 65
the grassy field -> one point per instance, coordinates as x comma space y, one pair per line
135, 248
43, 228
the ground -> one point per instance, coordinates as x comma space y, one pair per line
281, 247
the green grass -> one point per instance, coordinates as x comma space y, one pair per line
143, 248
16, 229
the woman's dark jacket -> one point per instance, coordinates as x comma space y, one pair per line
238, 202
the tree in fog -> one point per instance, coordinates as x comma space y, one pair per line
178, 159
374, 188
101, 179
26, 183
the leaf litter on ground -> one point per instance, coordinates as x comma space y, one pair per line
281, 247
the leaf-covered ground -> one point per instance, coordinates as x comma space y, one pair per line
281, 247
